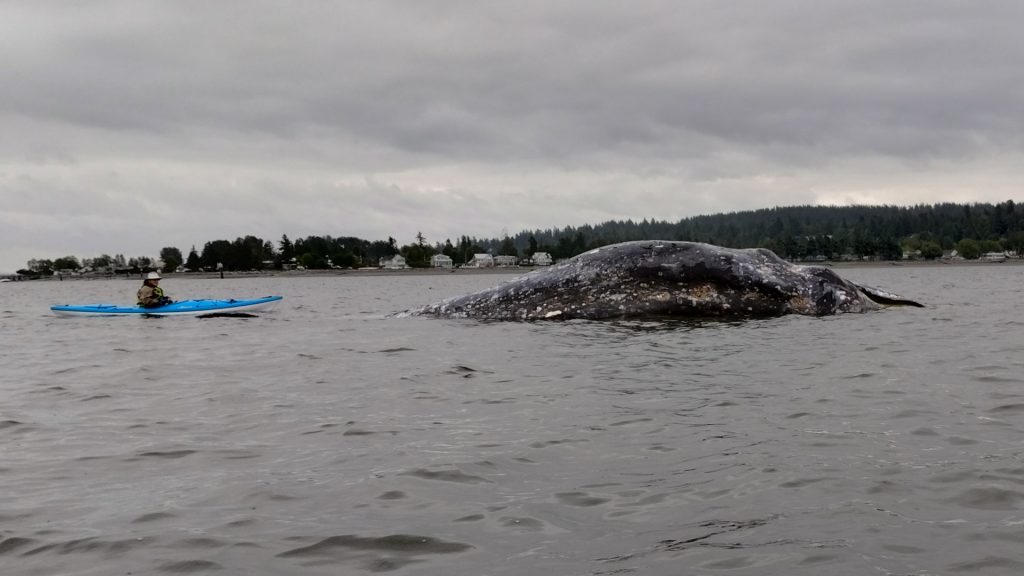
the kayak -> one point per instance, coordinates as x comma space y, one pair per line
182, 308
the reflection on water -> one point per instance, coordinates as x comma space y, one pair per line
329, 438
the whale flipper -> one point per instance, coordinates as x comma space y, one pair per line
886, 298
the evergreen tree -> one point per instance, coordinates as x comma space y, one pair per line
508, 248
193, 264
287, 251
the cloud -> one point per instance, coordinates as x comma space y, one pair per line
377, 119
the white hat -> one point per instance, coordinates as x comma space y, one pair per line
153, 276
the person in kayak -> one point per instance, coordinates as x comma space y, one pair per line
151, 294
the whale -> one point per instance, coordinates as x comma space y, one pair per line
667, 279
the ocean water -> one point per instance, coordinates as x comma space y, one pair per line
326, 437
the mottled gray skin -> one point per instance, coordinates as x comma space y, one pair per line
667, 279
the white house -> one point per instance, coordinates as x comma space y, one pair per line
505, 261
396, 262
542, 259
440, 261
481, 261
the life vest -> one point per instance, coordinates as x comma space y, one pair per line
157, 295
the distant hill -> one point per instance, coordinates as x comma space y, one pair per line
806, 232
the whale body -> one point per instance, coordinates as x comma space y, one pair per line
668, 279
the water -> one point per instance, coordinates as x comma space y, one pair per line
327, 438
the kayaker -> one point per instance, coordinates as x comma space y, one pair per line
151, 294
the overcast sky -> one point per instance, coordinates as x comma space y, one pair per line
129, 126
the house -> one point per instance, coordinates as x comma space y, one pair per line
396, 262
440, 261
481, 261
505, 261
542, 259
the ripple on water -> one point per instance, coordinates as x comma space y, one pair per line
989, 498
91, 545
392, 495
457, 476
13, 543
1015, 408
470, 518
165, 455
581, 499
188, 566
380, 554
1006, 565
522, 523
153, 517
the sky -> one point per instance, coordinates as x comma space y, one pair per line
129, 126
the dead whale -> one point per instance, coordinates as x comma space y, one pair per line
668, 279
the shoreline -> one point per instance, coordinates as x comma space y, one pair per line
916, 263
517, 270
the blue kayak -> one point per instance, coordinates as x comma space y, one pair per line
182, 308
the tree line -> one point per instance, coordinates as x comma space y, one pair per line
817, 232
800, 233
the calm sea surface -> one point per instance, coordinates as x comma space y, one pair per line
328, 438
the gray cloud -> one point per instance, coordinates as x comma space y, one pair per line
384, 118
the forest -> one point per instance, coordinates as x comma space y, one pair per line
797, 233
